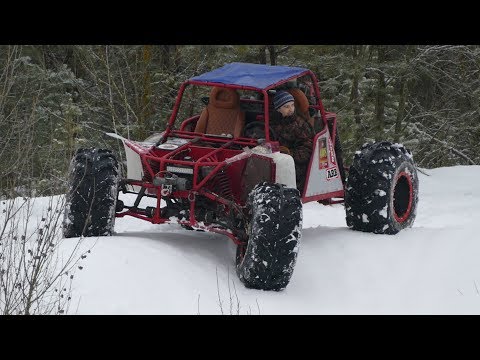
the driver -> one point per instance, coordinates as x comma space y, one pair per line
294, 133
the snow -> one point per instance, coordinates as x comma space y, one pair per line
384, 212
381, 192
431, 268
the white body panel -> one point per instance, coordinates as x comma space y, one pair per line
324, 174
285, 169
134, 164
285, 166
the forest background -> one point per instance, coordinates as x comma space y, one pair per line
55, 99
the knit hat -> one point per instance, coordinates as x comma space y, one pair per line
281, 98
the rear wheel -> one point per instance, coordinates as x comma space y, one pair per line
339, 156
92, 195
274, 233
382, 189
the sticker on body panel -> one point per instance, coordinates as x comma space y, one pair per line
333, 161
322, 153
332, 173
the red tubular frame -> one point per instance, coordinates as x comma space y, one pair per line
198, 189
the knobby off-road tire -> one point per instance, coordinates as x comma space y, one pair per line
382, 189
92, 195
274, 233
339, 156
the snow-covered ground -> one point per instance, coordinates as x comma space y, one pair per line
431, 268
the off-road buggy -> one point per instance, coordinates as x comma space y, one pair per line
217, 167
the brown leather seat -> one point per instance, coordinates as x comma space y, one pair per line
301, 104
222, 114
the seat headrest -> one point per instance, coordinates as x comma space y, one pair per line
301, 100
224, 98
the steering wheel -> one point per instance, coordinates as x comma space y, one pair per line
257, 130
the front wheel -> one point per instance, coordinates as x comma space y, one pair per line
274, 233
92, 194
381, 193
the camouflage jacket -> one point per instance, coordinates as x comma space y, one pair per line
295, 133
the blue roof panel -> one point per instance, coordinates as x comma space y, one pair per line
254, 75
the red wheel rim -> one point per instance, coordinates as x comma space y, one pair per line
401, 208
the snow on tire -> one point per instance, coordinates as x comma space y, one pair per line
92, 195
274, 232
382, 189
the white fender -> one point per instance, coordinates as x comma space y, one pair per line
284, 166
134, 162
